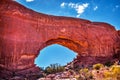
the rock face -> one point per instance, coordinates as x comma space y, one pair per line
23, 33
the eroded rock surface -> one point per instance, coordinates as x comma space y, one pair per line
23, 33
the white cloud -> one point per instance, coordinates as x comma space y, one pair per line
80, 8
117, 6
63, 4
95, 8
72, 5
29, 0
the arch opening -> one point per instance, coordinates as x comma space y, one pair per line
55, 53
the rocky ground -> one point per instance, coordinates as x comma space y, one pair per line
96, 72
108, 71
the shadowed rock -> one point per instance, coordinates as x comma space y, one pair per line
24, 32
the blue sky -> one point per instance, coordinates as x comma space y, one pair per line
55, 54
94, 10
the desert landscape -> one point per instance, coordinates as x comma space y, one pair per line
24, 32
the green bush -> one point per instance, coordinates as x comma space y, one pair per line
84, 70
54, 68
108, 64
98, 66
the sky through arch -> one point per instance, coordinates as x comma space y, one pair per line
55, 53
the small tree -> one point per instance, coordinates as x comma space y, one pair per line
54, 68
98, 66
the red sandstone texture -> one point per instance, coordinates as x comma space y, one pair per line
23, 33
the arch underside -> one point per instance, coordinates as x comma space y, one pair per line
76, 47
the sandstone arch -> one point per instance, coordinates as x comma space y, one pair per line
24, 32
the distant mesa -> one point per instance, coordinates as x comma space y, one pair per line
24, 32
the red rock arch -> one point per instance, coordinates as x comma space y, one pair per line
75, 46
24, 32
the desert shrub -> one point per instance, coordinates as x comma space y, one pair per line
84, 70
112, 73
98, 66
109, 75
116, 69
85, 74
48, 70
108, 64
54, 68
